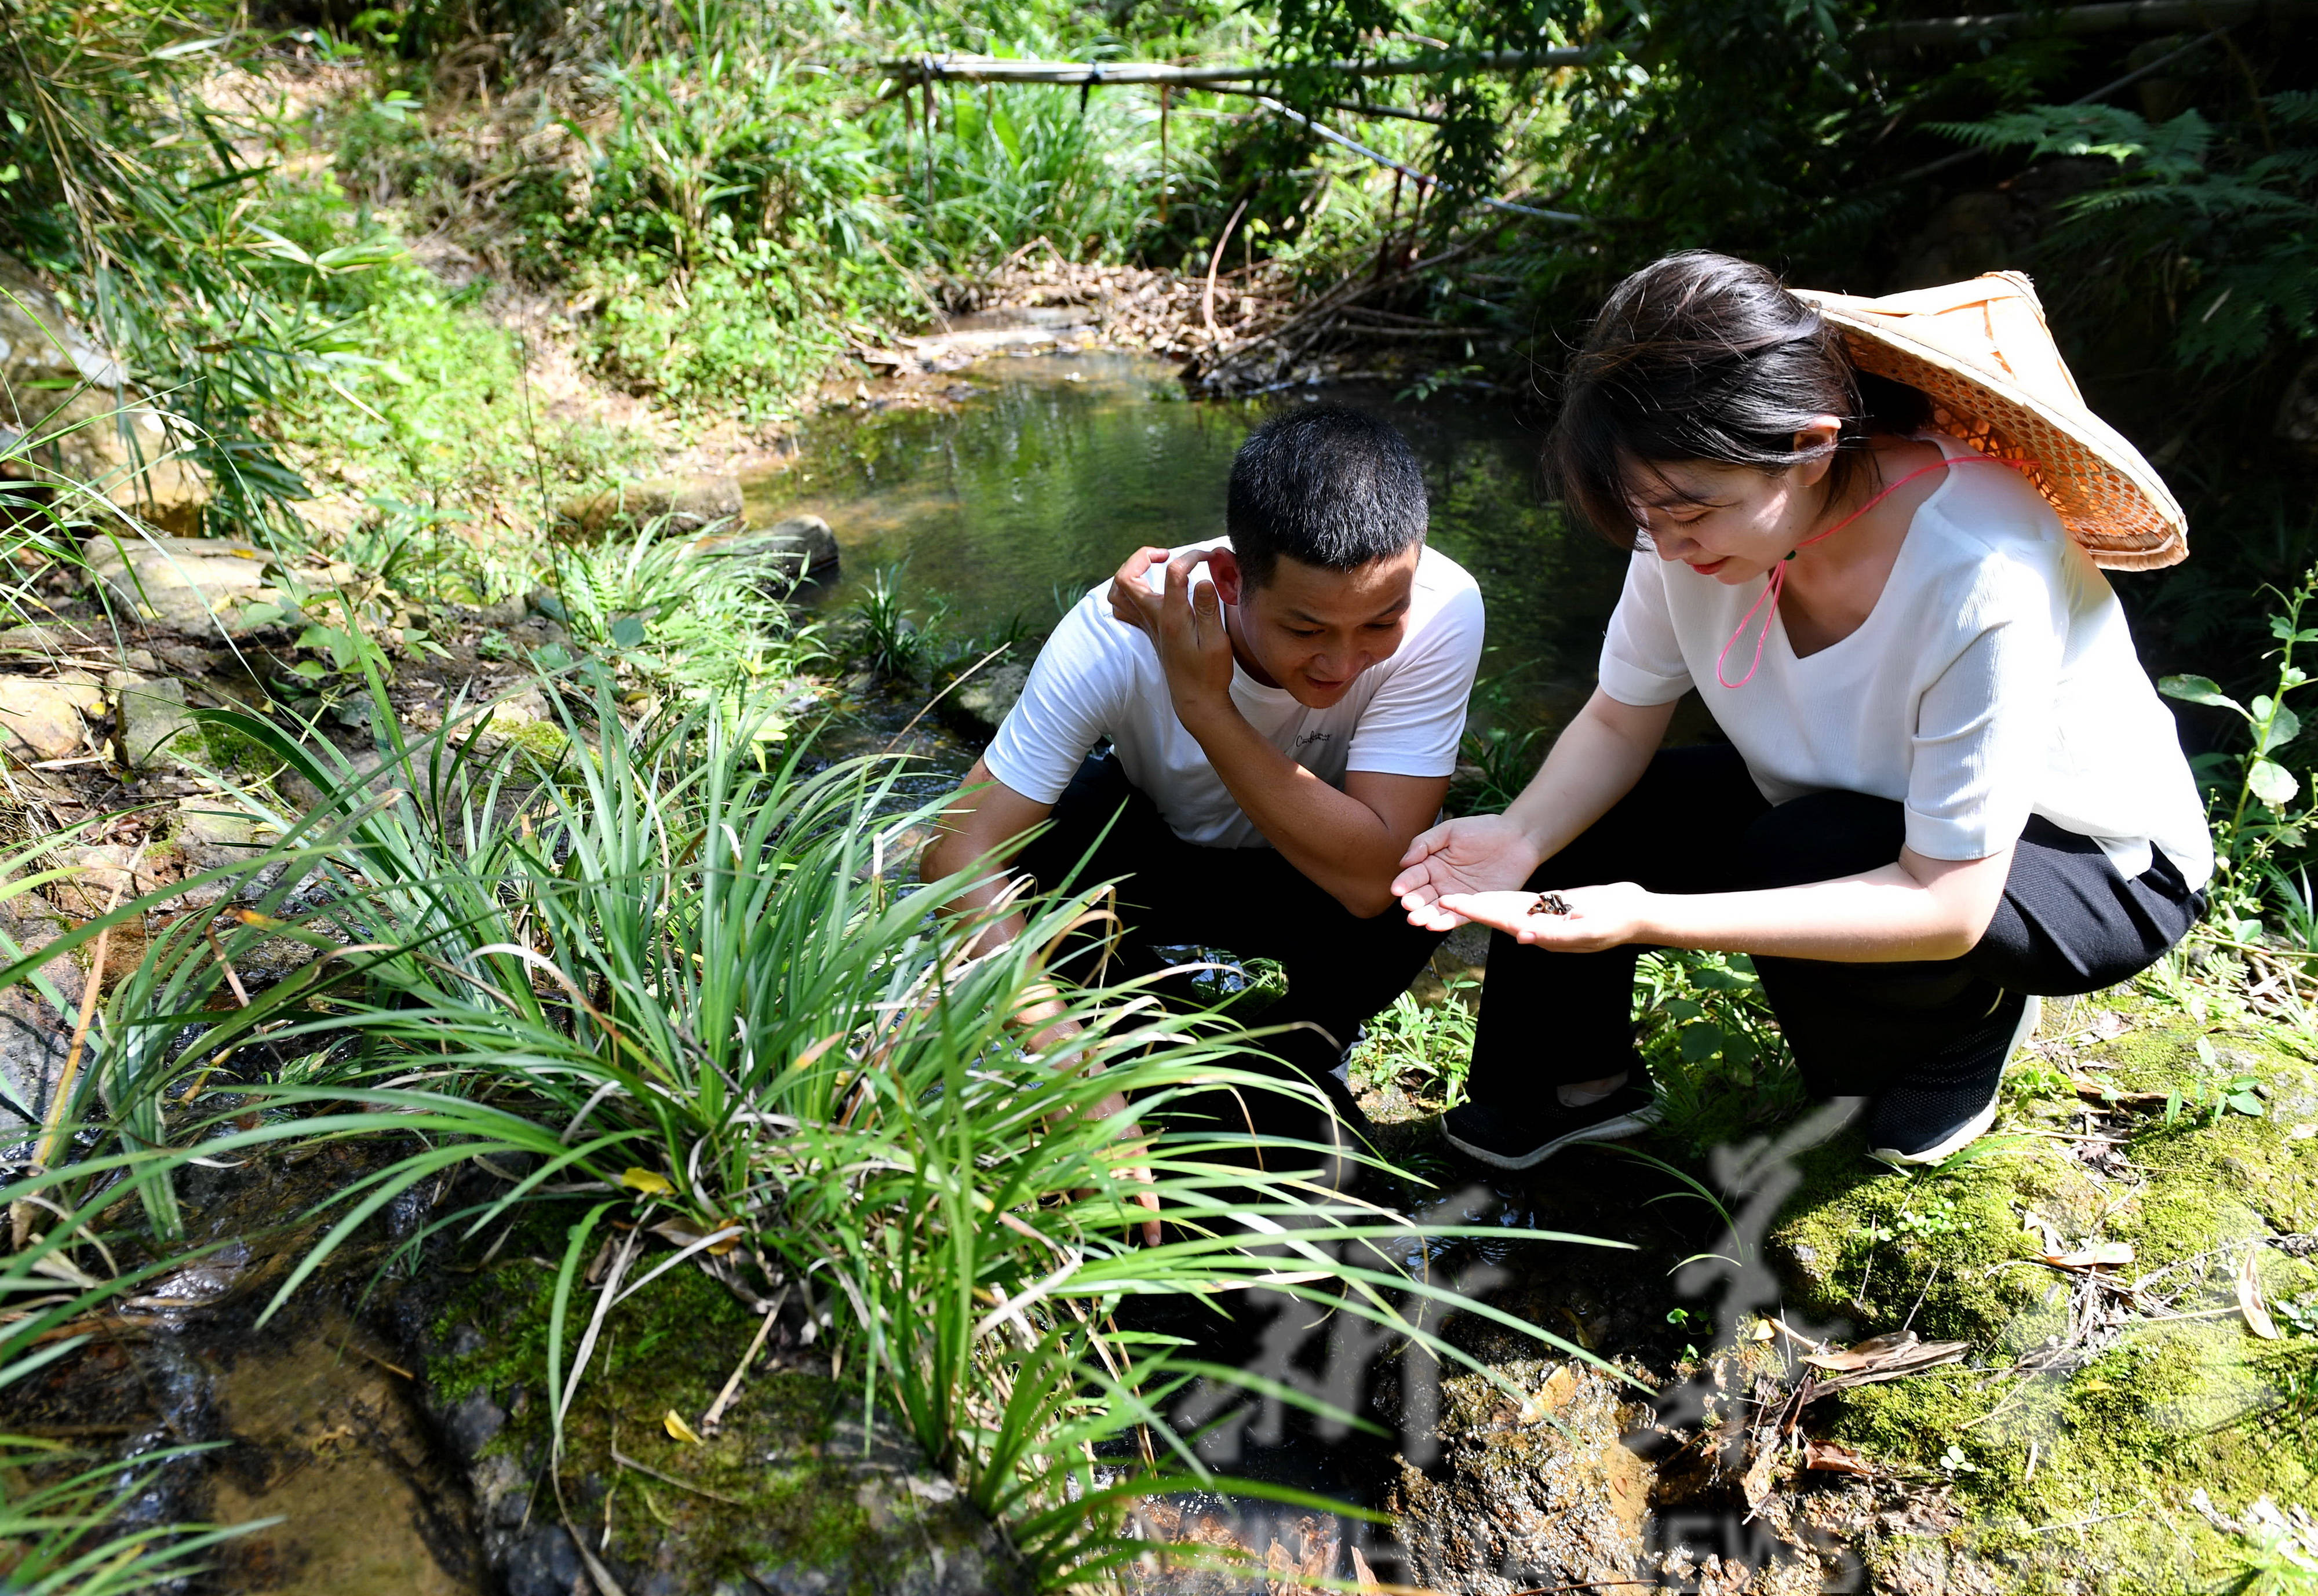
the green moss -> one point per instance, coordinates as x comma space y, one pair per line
1870, 1246
778, 1486
226, 750
2165, 1406
540, 747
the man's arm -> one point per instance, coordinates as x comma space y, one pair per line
1347, 843
983, 830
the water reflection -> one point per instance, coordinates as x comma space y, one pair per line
1013, 503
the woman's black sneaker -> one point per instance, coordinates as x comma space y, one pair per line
1939, 1111
1521, 1142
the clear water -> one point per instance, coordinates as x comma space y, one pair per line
1035, 487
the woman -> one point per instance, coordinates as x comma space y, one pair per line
1948, 785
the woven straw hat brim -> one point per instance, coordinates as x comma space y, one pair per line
2110, 499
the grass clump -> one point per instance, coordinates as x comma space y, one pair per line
676, 992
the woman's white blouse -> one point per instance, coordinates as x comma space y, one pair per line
1995, 678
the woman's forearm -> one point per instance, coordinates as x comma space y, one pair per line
1914, 909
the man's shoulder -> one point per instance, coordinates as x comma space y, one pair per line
1445, 593
1089, 639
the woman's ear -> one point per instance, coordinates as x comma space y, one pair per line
1231, 583
1817, 438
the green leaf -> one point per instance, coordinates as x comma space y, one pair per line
2246, 1103
314, 670
1684, 1009
2284, 726
2198, 689
627, 632
1700, 1042
2271, 783
261, 613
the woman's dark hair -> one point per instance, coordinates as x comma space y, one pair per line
1699, 356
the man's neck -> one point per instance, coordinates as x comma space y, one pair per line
1240, 652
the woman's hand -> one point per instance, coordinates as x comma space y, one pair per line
1597, 917
1480, 854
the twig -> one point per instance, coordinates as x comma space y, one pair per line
624, 1461
956, 683
1208, 298
1910, 1322
52, 1131
1334, 137
716, 1415
2096, 1519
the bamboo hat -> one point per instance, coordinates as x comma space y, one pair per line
1981, 352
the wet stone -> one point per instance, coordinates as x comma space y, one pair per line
157, 731
987, 696
806, 541
1538, 1493
46, 720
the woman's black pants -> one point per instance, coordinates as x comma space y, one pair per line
1695, 822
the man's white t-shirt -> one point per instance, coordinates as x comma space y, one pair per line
1995, 678
1097, 677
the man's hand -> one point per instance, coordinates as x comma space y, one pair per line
1186, 627
1597, 917
1484, 854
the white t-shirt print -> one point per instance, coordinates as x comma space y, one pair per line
1097, 677
1995, 678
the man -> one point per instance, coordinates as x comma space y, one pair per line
1279, 733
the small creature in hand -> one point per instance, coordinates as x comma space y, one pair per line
1550, 903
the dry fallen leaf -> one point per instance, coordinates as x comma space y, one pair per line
2249, 1302
1893, 1356
678, 1430
2101, 1255
1834, 1458
1364, 1577
1763, 1330
683, 1233
2042, 1228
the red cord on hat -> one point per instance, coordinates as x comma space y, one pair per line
1777, 584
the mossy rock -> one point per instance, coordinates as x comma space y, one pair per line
2080, 1478
784, 1497
1869, 1247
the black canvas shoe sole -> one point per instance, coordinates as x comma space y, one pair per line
1615, 1128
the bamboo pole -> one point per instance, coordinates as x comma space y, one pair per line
1422, 182
1163, 153
2115, 16
910, 70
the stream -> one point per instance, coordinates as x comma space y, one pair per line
1050, 469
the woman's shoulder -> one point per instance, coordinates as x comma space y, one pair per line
1990, 505
1989, 547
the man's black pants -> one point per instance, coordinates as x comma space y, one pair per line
1341, 969
1697, 823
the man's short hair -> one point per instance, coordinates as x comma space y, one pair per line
1324, 485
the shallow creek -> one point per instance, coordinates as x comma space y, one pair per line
1048, 470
